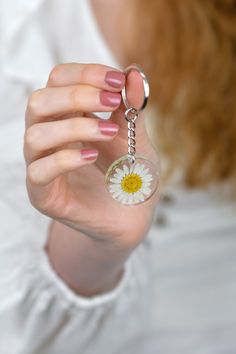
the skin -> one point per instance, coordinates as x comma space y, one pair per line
108, 15
91, 235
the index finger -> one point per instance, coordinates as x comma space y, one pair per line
97, 75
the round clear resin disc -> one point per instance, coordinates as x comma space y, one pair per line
131, 183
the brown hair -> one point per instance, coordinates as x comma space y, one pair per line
188, 50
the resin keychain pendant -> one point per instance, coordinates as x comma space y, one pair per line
132, 179
131, 183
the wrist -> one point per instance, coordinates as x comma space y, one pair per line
88, 266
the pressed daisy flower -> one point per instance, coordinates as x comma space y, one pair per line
131, 184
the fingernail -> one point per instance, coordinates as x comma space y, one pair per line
108, 128
115, 79
88, 154
110, 99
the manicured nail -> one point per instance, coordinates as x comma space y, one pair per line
111, 99
88, 154
115, 79
108, 128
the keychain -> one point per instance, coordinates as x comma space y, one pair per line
132, 179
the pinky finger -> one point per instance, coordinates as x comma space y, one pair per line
43, 171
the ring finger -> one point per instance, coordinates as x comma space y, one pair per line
56, 102
42, 137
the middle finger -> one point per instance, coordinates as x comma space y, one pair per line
54, 102
42, 137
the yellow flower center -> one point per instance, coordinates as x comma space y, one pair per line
131, 183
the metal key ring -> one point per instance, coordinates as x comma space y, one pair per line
145, 88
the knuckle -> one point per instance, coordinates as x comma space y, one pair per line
34, 102
31, 137
55, 74
32, 175
61, 159
88, 71
74, 128
74, 98
84, 73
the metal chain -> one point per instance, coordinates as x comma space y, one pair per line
131, 114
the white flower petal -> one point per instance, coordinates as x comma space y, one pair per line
146, 183
116, 195
137, 168
115, 185
131, 198
142, 197
146, 170
118, 170
147, 178
146, 191
118, 177
140, 169
119, 174
146, 173
135, 198
115, 188
126, 170
126, 198
124, 194
114, 180
144, 186
131, 168
139, 197
119, 197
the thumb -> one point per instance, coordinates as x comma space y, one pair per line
135, 96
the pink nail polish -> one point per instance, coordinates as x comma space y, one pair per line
110, 99
108, 128
88, 154
115, 79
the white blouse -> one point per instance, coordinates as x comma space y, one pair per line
178, 291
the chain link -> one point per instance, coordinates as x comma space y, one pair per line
131, 115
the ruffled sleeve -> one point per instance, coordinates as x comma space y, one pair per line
40, 314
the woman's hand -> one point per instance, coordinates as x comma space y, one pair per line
66, 181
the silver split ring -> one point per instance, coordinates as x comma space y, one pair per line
145, 88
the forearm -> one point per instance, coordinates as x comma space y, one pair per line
89, 267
